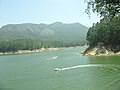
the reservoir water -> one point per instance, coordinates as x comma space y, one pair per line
35, 71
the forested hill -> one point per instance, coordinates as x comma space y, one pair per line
28, 36
56, 31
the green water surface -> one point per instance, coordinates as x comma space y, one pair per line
36, 71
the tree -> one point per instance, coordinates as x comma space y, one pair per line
109, 8
106, 32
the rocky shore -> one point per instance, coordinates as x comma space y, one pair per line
30, 51
101, 50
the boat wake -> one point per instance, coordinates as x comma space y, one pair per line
52, 58
78, 66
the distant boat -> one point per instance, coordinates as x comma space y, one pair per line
55, 57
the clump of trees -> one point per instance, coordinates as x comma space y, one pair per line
109, 8
107, 31
31, 44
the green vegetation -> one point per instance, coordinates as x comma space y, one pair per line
107, 32
29, 44
106, 8
56, 31
35, 36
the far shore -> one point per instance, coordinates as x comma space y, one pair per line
31, 51
35, 51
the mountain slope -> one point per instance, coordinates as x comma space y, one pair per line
56, 31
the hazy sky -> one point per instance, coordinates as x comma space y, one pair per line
44, 11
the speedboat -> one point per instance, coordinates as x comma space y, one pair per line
57, 69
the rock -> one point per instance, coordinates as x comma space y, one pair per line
99, 50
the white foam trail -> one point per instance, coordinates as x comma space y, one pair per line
81, 66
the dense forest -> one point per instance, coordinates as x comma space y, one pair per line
105, 35
106, 32
28, 36
29, 44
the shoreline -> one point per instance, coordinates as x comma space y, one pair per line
31, 51
99, 51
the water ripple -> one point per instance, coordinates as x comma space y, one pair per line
106, 76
